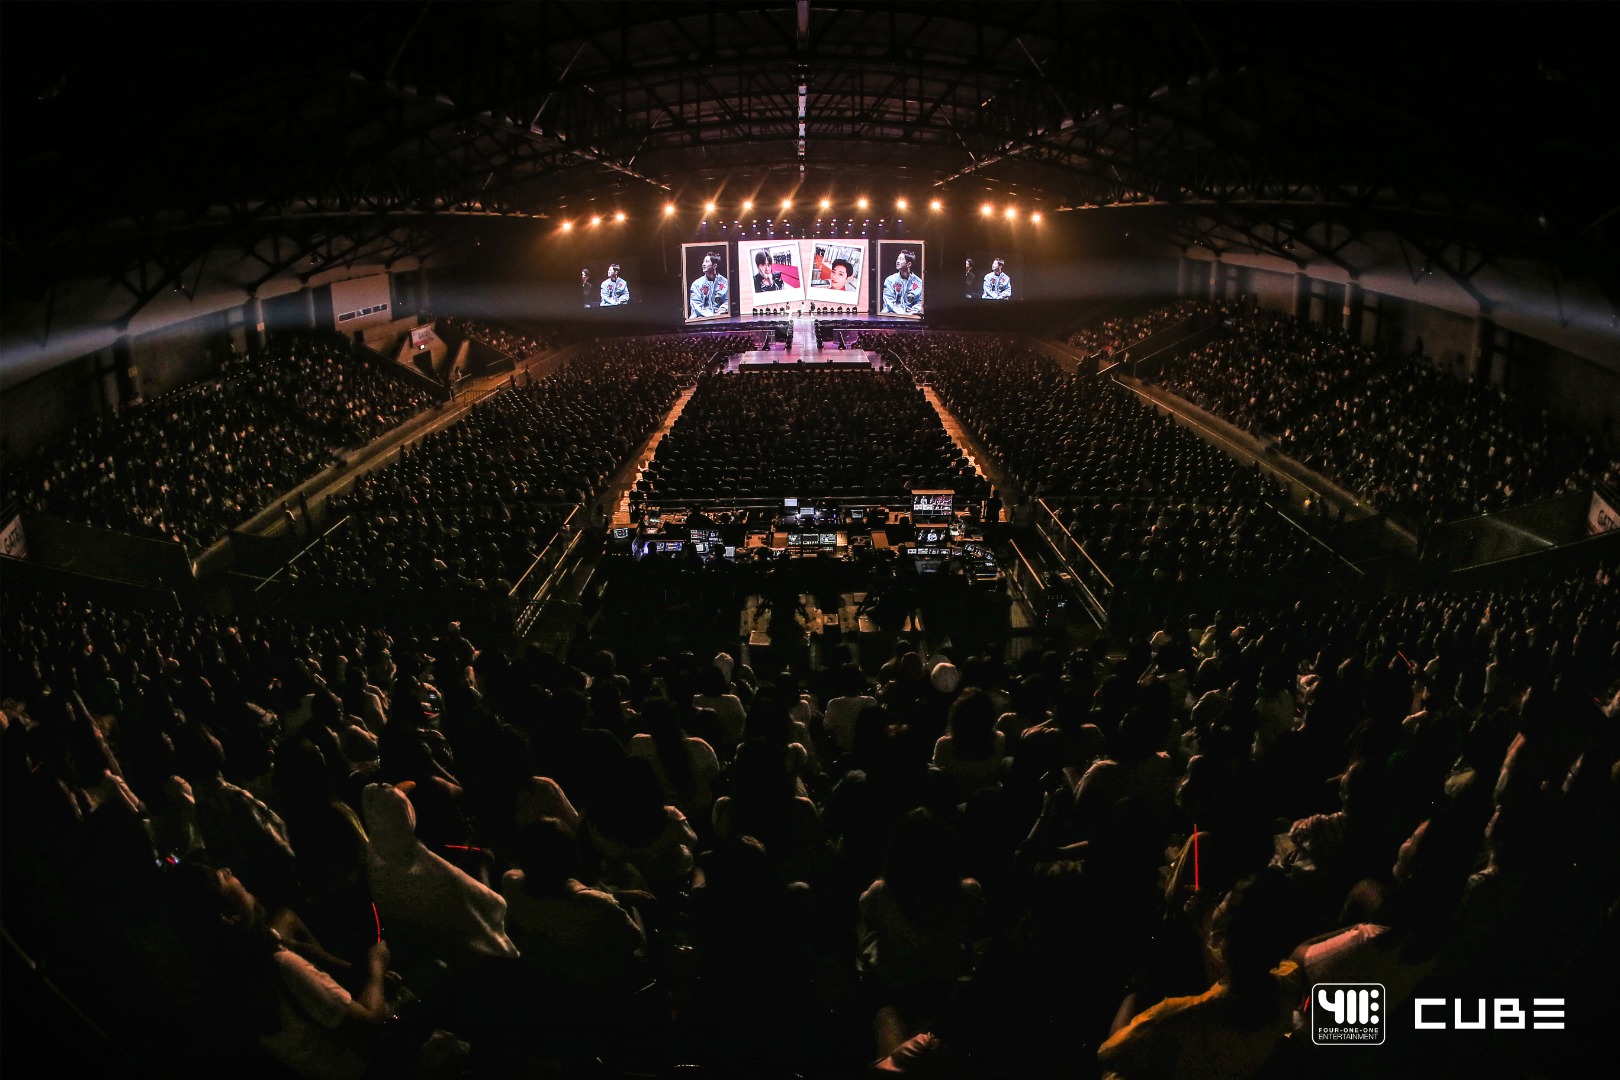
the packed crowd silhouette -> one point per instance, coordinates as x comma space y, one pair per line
1393, 429
1113, 337
809, 432
552, 850
469, 507
325, 846
518, 344
192, 464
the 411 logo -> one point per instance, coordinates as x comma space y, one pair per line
1347, 1014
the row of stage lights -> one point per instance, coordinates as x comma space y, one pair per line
986, 210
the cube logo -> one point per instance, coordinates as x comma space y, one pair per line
1347, 1014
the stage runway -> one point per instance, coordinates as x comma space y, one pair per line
823, 359
805, 352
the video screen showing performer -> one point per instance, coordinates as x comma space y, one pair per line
776, 278
615, 290
988, 274
997, 285
902, 292
766, 277
708, 296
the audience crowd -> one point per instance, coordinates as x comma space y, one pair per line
518, 344
342, 848
469, 507
1394, 430
193, 464
1147, 498
1113, 336
1176, 541
265, 845
765, 434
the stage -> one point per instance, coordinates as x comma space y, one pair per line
779, 359
804, 351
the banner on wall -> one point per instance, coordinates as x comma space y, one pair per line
1601, 516
12, 540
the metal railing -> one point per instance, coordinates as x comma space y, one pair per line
1048, 595
1096, 587
280, 574
548, 557
1027, 581
524, 611
1342, 564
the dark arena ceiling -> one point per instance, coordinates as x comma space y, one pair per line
143, 139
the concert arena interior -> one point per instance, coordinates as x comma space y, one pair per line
792, 541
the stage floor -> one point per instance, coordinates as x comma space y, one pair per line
770, 359
743, 322
804, 351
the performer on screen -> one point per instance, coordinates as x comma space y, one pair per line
997, 285
902, 291
766, 278
614, 290
970, 279
842, 271
585, 285
710, 295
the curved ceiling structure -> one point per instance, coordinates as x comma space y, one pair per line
142, 139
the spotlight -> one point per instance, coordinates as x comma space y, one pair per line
936, 205
708, 208
568, 226
826, 204
669, 209
748, 204
1012, 212
619, 216
861, 202
596, 219
900, 204
787, 204
1036, 218
987, 209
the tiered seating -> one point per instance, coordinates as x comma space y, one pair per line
469, 507
1114, 336
837, 433
1392, 429
191, 465
515, 343
689, 832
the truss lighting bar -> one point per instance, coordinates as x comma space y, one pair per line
804, 102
